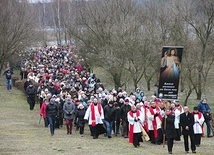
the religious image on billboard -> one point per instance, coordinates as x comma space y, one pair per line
170, 68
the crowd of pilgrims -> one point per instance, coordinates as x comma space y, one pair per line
70, 94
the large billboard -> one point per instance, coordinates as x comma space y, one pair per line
170, 68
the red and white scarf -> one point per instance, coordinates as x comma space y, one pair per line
154, 122
131, 126
93, 113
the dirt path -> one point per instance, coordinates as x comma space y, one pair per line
20, 134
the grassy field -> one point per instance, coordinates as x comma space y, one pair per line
21, 134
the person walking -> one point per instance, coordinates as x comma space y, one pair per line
94, 115
187, 122
109, 117
69, 113
116, 124
135, 118
125, 108
31, 94
154, 123
177, 113
168, 129
8, 75
199, 120
52, 112
79, 119
43, 111
27, 83
204, 108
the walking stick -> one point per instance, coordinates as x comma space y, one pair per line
164, 128
40, 119
145, 135
115, 127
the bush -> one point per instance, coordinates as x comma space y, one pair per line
14, 79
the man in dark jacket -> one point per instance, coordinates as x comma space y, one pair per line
125, 108
187, 122
52, 112
168, 129
52, 90
31, 94
26, 84
116, 125
8, 76
109, 117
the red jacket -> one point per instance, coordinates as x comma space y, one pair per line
43, 110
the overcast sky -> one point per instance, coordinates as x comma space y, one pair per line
36, 1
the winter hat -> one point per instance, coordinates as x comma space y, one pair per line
52, 100
195, 108
68, 99
126, 100
110, 102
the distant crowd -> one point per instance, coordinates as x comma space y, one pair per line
69, 92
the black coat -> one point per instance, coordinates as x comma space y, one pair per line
124, 110
79, 117
187, 120
26, 84
109, 113
52, 110
169, 129
117, 113
31, 92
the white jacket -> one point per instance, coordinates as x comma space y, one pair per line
177, 118
197, 127
131, 121
98, 117
151, 118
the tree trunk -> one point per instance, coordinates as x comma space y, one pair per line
59, 22
187, 96
148, 85
181, 84
1, 66
199, 91
135, 83
117, 80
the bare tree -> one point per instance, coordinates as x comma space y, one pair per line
16, 28
108, 31
56, 9
199, 16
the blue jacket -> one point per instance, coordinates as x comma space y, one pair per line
203, 108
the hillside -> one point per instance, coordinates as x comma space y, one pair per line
22, 134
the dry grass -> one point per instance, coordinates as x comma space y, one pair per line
20, 134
